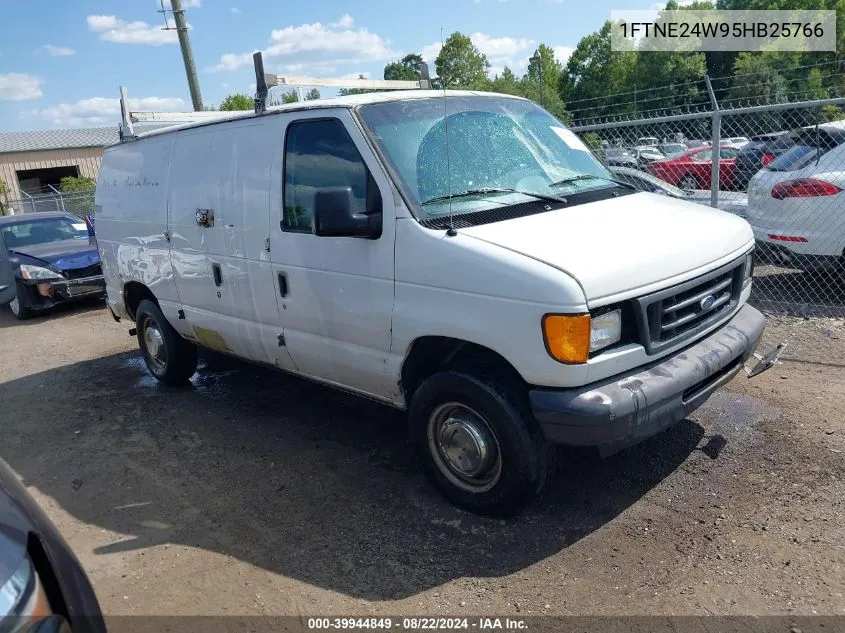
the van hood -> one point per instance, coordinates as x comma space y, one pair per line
616, 248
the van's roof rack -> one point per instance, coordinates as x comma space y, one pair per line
263, 83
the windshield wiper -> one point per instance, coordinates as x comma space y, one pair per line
486, 190
580, 177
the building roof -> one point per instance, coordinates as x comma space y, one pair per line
344, 101
37, 140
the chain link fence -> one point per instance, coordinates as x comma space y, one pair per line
780, 166
79, 203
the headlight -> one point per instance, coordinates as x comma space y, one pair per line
605, 329
570, 338
748, 270
22, 599
37, 272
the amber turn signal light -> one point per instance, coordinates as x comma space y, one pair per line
567, 337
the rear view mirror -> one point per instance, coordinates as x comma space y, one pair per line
334, 216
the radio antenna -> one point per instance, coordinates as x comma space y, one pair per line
451, 232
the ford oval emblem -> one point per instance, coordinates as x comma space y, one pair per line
707, 302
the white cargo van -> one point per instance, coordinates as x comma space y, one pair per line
462, 256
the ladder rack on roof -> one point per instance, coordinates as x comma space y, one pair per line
263, 83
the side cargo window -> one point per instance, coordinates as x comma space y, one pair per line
320, 153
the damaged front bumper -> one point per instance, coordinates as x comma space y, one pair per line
40, 295
629, 408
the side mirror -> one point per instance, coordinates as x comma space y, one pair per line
334, 217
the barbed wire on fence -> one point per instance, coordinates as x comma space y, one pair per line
79, 203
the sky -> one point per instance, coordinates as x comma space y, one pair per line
62, 61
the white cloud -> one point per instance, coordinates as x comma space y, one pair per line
19, 87
104, 111
563, 53
113, 29
235, 10
430, 52
55, 51
337, 43
356, 75
191, 4
345, 22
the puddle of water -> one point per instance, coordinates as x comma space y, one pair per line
733, 415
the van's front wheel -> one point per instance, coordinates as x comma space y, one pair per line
169, 357
479, 443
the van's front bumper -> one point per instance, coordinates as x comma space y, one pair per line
626, 409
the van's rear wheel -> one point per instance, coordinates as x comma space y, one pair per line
169, 357
480, 445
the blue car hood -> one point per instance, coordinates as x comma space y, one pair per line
64, 255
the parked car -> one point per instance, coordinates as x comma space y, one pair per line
672, 150
733, 203
646, 155
620, 156
692, 170
642, 181
500, 286
43, 588
55, 260
758, 153
796, 202
647, 141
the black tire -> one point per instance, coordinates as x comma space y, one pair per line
18, 305
503, 407
688, 182
178, 362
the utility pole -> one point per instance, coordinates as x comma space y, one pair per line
187, 55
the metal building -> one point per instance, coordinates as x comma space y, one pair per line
33, 163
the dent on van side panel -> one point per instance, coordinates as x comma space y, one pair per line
132, 218
470, 290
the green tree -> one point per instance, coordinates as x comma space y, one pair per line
593, 72
460, 64
506, 83
541, 82
82, 204
406, 68
547, 68
312, 94
3, 191
237, 101
76, 183
356, 91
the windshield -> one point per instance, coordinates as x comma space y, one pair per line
43, 231
809, 145
496, 146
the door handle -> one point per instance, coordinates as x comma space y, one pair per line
283, 284
218, 274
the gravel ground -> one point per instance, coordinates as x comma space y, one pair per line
251, 492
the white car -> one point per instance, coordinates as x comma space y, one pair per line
481, 270
796, 202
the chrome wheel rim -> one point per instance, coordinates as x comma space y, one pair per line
154, 343
464, 447
15, 306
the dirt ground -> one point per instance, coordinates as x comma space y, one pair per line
251, 492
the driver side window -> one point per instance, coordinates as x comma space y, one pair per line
320, 153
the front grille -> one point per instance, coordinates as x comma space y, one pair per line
88, 271
669, 316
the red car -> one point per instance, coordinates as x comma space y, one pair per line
692, 169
